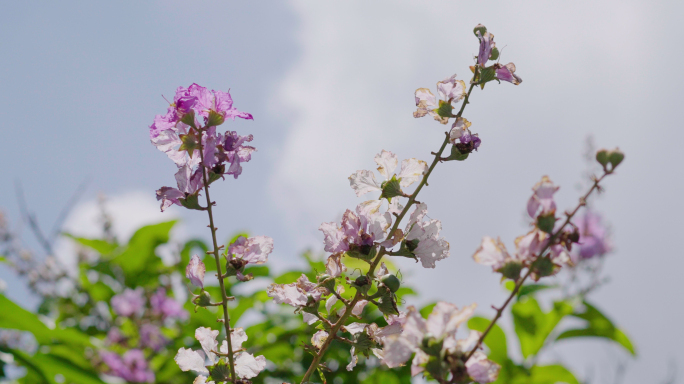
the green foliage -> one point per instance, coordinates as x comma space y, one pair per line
533, 326
598, 325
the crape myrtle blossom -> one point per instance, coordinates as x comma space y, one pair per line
244, 251
450, 91
297, 294
435, 339
422, 238
488, 50
507, 73
461, 136
195, 271
364, 181
542, 198
358, 230
594, 239
246, 365
190, 125
130, 302
131, 367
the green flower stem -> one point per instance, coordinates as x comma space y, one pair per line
519, 283
332, 335
224, 296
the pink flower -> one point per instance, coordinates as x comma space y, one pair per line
195, 271
507, 73
594, 239
487, 44
129, 302
358, 230
296, 294
450, 90
542, 197
493, 253
412, 170
253, 250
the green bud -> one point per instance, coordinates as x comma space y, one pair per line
189, 119
391, 188
391, 282
546, 222
511, 270
495, 54
602, 157
544, 267
615, 157
480, 28
214, 119
445, 109
203, 299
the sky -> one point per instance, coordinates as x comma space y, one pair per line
330, 85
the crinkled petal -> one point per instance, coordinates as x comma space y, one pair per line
247, 366
330, 302
189, 360
287, 294
334, 266
333, 238
412, 170
419, 360
169, 196
481, 369
425, 101
309, 318
492, 253
254, 250
430, 250
363, 182
397, 351
237, 337
358, 308
355, 328
201, 380
387, 163
195, 271
207, 338
319, 338
354, 359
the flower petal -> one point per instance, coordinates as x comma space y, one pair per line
387, 163
363, 182
412, 170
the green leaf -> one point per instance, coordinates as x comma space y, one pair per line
531, 289
533, 326
102, 247
598, 325
139, 253
495, 339
52, 365
547, 374
13, 316
426, 310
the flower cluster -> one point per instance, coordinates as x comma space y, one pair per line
539, 250
139, 316
187, 134
436, 347
242, 252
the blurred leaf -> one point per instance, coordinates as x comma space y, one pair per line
531, 289
426, 310
533, 326
288, 277
13, 316
102, 247
598, 325
547, 374
495, 339
52, 365
139, 253
258, 271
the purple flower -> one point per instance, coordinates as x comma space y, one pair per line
216, 101
114, 336
167, 307
507, 73
195, 271
486, 45
129, 302
234, 152
542, 197
358, 230
188, 182
151, 337
253, 250
594, 239
131, 367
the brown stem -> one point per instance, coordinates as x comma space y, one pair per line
382, 252
518, 285
224, 296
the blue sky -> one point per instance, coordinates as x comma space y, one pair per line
330, 85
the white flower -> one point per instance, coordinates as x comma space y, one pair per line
319, 338
411, 171
430, 247
450, 91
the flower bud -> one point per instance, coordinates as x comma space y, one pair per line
615, 157
481, 29
203, 299
495, 54
546, 222
511, 270
391, 282
602, 157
